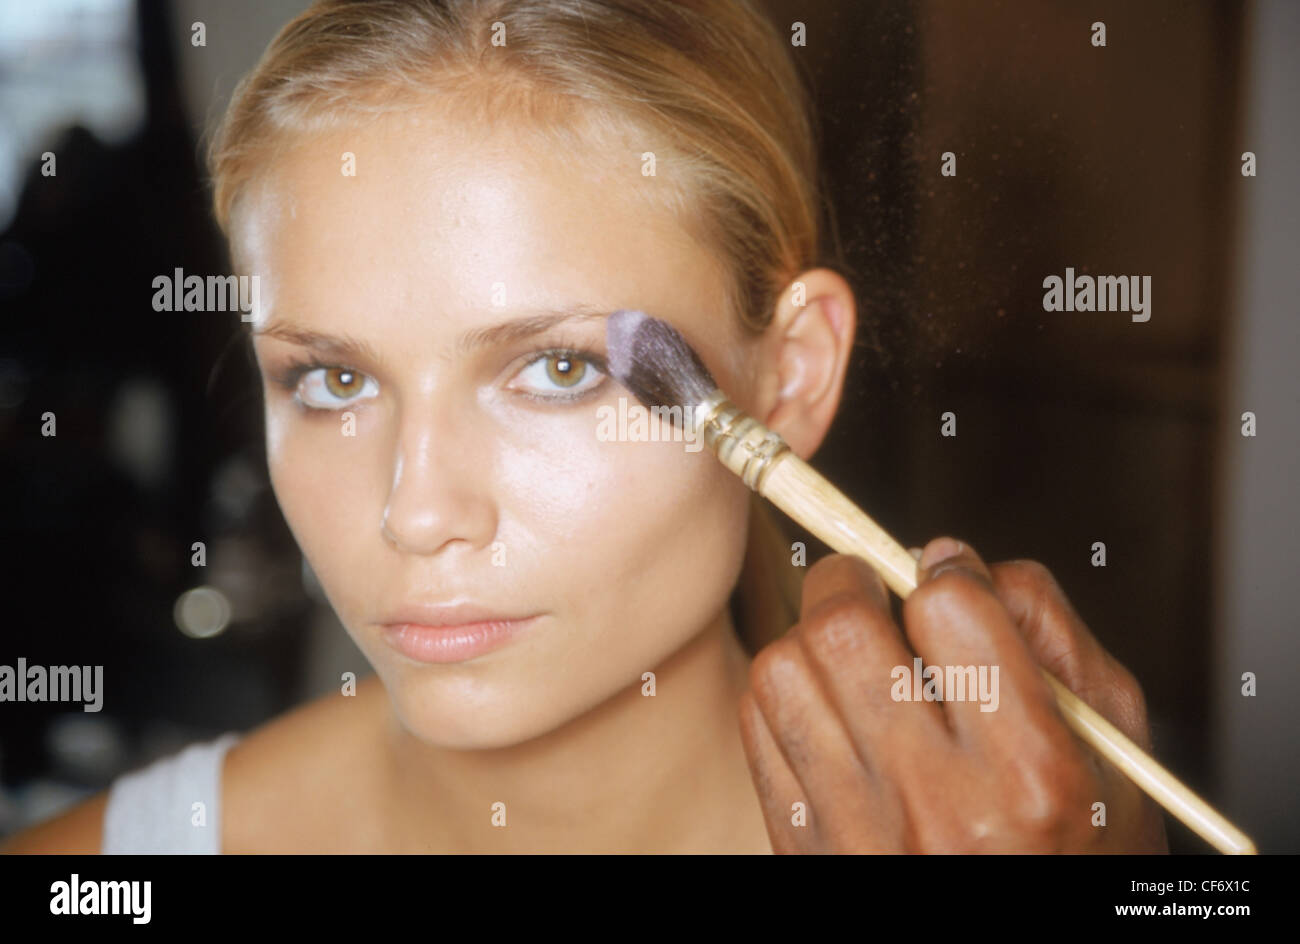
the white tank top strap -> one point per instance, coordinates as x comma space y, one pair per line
153, 810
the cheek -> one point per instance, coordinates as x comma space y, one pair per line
287, 462
323, 483
626, 531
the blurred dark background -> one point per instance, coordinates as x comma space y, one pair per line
1072, 427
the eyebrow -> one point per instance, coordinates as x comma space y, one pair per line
526, 327
516, 329
342, 346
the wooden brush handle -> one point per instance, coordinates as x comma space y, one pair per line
807, 497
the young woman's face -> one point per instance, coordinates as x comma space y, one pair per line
428, 452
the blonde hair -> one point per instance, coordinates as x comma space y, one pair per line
711, 83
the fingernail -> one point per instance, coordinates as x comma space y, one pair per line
915, 552
940, 550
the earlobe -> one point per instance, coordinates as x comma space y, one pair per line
809, 345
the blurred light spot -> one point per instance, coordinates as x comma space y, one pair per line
202, 612
235, 487
140, 431
89, 747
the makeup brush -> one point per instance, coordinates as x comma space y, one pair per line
659, 367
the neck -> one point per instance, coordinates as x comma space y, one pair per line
634, 774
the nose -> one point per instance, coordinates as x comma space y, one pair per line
439, 494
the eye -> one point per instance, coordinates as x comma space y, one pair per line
559, 375
332, 388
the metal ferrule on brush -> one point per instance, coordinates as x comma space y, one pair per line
742, 443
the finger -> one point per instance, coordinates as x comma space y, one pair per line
814, 743
857, 651
777, 787
979, 663
837, 575
1063, 644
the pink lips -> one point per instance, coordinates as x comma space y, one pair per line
455, 633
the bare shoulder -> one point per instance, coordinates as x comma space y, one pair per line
285, 783
79, 831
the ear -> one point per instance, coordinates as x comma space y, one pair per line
806, 351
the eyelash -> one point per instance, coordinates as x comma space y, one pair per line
290, 377
571, 352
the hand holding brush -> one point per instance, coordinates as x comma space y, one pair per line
823, 724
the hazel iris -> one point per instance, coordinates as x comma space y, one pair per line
343, 383
565, 371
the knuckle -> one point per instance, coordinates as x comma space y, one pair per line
1023, 574
1054, 788
942, 822
1033, 573
938, 833
1030, 581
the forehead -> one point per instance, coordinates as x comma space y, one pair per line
419, 213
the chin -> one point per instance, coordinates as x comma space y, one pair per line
445, 716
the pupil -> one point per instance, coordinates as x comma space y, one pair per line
341, 382
564, 370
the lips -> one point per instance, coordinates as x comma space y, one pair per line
442, 615
443, 633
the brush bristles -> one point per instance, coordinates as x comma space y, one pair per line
653, 360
